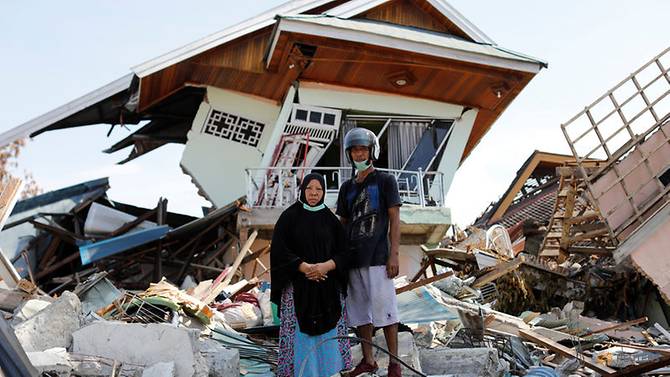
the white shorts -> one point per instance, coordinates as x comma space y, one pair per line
371, 297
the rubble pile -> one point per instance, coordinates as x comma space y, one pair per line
477, 305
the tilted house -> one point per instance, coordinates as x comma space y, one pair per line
262, 103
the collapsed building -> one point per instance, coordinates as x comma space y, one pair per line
263, 103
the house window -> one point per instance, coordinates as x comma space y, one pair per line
665, 177
315, 116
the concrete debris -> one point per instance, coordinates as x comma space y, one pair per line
53, 361
221, 361
465, 362
143, 345
165, 369
28, 309
53, 326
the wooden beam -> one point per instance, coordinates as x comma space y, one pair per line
423, 282
453, 254
589, 250
619, 326
8, 197
256, 254
231, 270
565, 351
589, 235
498, 271
73, 257
422, 270
7, 271
131, 224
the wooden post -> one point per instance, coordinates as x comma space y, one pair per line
8, 197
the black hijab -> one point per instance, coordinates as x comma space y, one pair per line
305, 182
312, 237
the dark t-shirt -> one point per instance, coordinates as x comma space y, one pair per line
365, 205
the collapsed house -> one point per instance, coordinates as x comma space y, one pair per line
263, 103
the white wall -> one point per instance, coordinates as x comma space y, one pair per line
217, 164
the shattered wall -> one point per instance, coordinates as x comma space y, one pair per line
229, 133
638, 181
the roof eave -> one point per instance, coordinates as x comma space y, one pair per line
342, 33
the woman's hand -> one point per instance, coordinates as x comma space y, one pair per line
310, 270
318, 271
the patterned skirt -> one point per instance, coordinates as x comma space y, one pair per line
295, 347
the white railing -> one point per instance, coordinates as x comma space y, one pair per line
277, 187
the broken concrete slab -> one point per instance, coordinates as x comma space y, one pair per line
164, 369
53, 326
28, 309
407, 351
143, 344
54, 362
462, 362
222, 361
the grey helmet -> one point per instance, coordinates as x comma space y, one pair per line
361, 137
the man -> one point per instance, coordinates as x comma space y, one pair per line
369, 206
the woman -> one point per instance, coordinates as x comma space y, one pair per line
308, 285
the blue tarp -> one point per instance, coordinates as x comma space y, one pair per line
419, 306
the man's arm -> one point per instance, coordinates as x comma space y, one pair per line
392, 265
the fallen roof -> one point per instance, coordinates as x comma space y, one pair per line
538, 158
61, 194
91, 108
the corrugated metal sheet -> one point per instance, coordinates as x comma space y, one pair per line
95, 251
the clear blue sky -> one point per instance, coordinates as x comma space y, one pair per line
53, 52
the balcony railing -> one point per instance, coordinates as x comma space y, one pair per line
277, 187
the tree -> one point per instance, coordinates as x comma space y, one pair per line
9, 155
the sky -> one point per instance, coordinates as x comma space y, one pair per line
53, 52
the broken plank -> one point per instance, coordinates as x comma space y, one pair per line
588, 235
131, 224
451, 253
589, 215
565, 351
215, 290
8, 198
620, 326
498, 271
7, 271
589, 250
423, 282
256, 254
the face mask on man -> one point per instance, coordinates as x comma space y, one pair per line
363, 165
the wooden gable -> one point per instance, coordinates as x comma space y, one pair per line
415, 13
